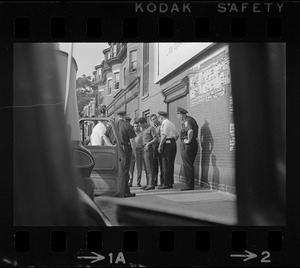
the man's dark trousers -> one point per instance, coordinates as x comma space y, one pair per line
140, 164
168, 158
128, 154
188, 155
148, 158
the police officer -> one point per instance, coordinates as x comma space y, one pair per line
132, 160
189, 146
167, 148
127, 136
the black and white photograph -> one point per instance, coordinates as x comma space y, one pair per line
149, 134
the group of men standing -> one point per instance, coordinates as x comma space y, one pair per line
153, 146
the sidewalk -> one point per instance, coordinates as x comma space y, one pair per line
197, 202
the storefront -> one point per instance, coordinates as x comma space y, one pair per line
202, 85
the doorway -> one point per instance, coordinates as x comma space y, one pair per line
172, 111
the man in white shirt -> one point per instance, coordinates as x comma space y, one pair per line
168, 149
98, 133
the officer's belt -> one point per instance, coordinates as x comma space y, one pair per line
193, 140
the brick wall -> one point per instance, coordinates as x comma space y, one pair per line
216, 113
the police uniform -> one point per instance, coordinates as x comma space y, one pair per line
126, 133
132, 160
188, 150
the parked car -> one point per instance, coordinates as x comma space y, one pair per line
108, 171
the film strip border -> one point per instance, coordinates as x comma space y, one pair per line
159, 246
151, 247
239, 21
166, 28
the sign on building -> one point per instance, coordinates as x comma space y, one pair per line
209, 79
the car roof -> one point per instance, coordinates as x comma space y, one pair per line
95, 118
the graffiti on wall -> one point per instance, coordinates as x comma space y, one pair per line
209, 79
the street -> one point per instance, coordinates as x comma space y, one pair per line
197, 202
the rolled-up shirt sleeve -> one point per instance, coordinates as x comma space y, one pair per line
188, 125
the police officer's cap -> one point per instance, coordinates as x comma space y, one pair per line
163, 113
181, 110
121, 112
128, 118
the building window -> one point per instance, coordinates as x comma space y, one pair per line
117, 80
145, 68
109, 85
124, 77
133, 61
146, 114
107, 55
